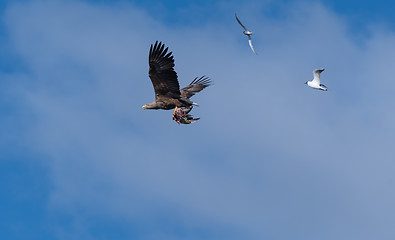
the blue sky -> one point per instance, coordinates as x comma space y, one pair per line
80, 159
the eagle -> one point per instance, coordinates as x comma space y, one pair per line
164, 79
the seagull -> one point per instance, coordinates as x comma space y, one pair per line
248, 33
315, 83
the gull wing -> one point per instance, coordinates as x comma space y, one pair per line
250, 42
317, 74
240, 22
161, 72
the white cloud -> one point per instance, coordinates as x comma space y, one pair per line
251, 165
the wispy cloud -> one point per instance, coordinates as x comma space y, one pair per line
270, 158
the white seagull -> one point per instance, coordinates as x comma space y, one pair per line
248, 33
316, 82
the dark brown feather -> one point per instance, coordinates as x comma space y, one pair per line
197, 85
161, 72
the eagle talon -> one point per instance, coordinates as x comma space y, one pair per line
175, 109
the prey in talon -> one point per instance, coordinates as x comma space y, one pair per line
181, 116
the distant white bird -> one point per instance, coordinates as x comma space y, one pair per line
316, 82
248, 33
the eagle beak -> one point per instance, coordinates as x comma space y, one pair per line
144, 106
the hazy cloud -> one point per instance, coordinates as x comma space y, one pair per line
270, 158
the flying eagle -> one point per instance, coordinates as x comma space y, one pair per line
164, 79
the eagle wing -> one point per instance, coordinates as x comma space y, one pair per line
197, 85
161, 72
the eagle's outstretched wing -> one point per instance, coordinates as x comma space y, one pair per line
197, 85
161, 72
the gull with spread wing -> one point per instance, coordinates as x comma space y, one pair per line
316, 82
246, 32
